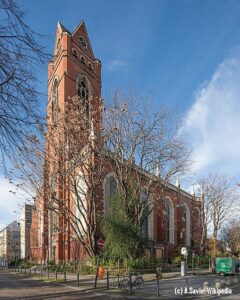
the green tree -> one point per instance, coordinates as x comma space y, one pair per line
124, 234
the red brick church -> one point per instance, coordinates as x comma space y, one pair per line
74, 70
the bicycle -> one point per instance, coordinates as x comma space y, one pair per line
137, 283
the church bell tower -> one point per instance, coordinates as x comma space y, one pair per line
73, 73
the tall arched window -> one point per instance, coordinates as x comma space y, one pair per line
112, 187
83, 93
55, 101
169, 220
145, 214
186, 223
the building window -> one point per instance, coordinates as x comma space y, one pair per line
82, 90
83, 42
83, 60
185, 225
145, 214
167, 216
83, 93
112, 187
55, 101
75, 53
58, 43
168, 213
90, 66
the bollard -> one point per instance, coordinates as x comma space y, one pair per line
158, 285
56, 275
183, 268
205, 287
218, 284
228, 281
107, 280
130, 283
25, 270
100, 272
78, 278
187, 283
118, 279
235, 279
41, 272
48, 273
223, 282
65, 276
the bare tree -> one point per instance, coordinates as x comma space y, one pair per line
141, 147
231, 237
218, 198
20, 56
145, 151
65, 173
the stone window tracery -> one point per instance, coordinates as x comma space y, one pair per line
83, 42
83, 93
168, 212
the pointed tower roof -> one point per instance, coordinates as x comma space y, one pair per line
81, 31
79, 36
63, 28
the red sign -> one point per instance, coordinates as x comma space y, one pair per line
100, 243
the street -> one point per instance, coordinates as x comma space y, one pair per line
15, 286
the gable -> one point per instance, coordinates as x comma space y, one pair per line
80, 38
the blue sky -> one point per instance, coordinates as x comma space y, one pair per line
186, 53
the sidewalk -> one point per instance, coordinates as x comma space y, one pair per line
86, 284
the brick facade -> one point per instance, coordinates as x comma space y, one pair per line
71, 62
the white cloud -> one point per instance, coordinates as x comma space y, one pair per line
115, 64
212, 123
10, 204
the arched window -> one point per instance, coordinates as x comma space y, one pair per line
145, 214
55, 101
168, 212
90, 66
112, 187
58, 43
83, 42
167, 216
83, 93
83, 60
186, 224
82, 89
75, 53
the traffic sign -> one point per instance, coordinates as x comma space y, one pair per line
100, 244
184, 251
